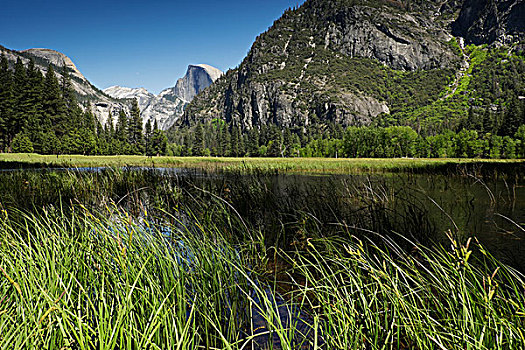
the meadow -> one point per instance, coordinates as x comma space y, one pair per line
286, 165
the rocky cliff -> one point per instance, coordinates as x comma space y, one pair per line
154, 108
489, 21
197, 78
345, 61
168, 107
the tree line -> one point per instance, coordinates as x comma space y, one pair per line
41, 114
220, 139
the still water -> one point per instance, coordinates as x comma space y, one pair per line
420, 207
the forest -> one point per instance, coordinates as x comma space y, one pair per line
40, 114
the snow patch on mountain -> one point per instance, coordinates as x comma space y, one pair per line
153, 108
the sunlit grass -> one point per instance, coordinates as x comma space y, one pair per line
299, 165
109, 281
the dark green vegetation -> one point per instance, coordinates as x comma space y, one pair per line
354, 142
42, 115
119, 259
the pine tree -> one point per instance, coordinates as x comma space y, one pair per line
74, 113
16, 123
235, 141
511, 118
122, 127
34, 126
252, 144
54, 107
148, 134
135, 129
198, 141
6, 101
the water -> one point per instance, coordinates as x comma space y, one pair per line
421, 207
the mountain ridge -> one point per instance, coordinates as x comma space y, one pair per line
167, 107
347, 62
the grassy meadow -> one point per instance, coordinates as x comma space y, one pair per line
285, 165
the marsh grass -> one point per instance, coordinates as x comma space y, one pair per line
119, 259
271, 165
105, 281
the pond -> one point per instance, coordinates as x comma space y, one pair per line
421, 207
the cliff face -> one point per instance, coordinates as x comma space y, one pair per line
197, 78
348, 61
294, 72
168, 107
488, 21
152, 107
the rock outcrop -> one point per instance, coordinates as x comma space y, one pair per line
197, 78
489, 21
168, 107
154, 108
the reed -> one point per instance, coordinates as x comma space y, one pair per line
109, 281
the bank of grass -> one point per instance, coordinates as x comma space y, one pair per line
108, 281
280, 165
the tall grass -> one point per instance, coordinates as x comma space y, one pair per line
95, 282
108, 281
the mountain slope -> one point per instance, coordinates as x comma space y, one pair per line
87, 94
348, 62
168, 107
154, 108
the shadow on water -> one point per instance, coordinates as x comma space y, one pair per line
286, 209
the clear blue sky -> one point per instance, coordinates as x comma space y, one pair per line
140, 43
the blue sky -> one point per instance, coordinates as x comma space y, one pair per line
140, 43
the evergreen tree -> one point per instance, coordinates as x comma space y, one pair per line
16, 123
135, 136
511, 118
198, 141
6, 101
34, 126
236, 141
122, 127
148, 133
252, 144
54, 107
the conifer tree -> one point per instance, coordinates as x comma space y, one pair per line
135, 129
198, 141
148, 133
122, 127
16, 123
54, 107
6, 101
34, 126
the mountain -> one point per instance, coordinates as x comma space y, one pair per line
357, 62
168, 107
88, 95
197, 78
155, 108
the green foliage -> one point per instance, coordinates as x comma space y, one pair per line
22, 144
46, 113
